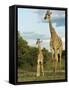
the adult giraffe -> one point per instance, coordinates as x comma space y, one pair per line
56, 44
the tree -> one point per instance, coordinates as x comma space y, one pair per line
27, 55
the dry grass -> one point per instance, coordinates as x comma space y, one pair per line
49, 74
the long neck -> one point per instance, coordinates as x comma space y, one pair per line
39, 48
50, 25
51, 28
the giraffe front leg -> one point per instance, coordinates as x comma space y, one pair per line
52, 55
56, 60
38, 69
51, 49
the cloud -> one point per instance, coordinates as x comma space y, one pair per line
31, 38
59, 20
33, 35
32, 25
44, 44
58, 17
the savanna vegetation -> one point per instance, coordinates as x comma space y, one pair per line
27, 61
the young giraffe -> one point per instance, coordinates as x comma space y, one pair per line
56, 44
40, 67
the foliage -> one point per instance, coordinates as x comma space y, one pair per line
63, 54
27, 55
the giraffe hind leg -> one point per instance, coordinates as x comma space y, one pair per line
60, 61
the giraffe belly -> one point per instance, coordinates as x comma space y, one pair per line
40, 58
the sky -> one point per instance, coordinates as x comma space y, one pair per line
31, 25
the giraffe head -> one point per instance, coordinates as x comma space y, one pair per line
38, 41
48, 15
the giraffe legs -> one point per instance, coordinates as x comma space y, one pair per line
60, 58
57, 60
51, 48
52, 53
40, 69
